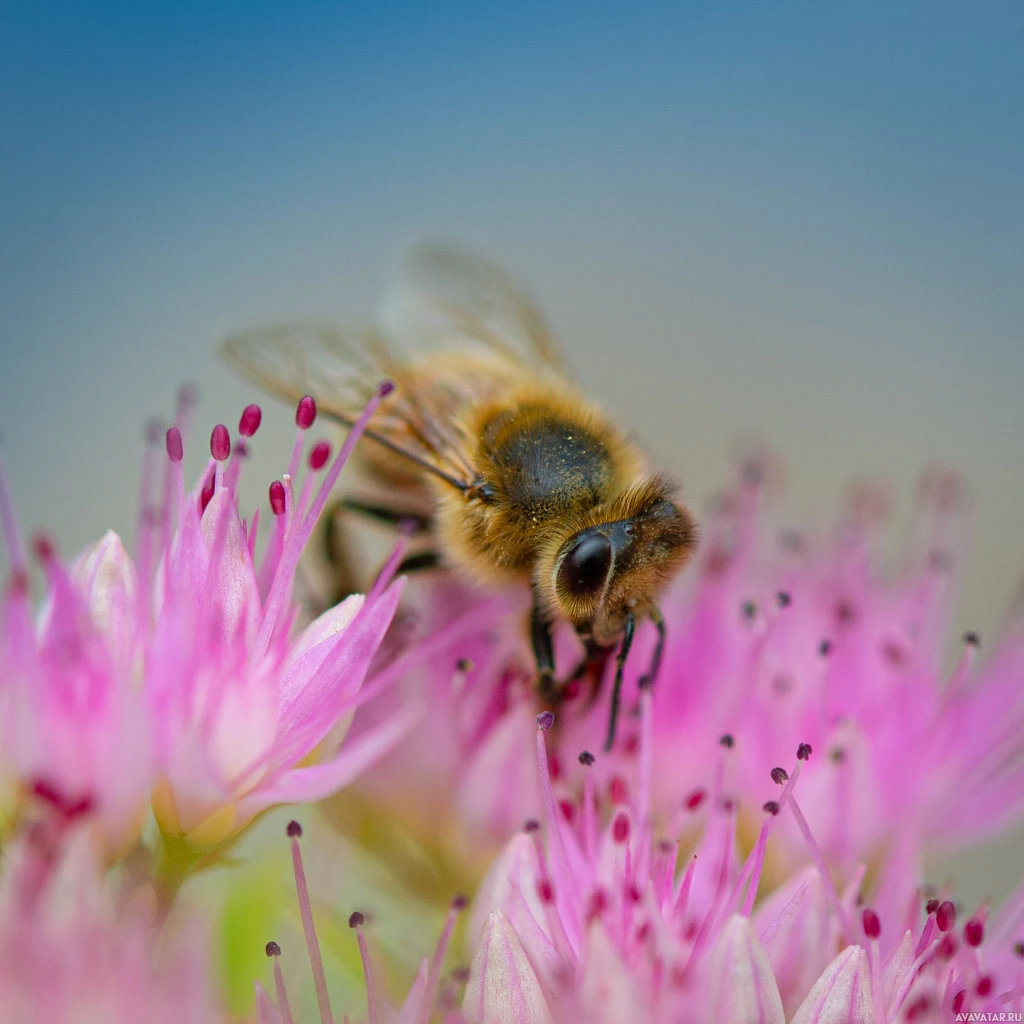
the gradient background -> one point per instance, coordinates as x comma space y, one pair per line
787, 221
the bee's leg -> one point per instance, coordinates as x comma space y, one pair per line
544, 654
620, 664
421, 561
647, 679
384, 514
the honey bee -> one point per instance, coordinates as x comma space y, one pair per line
517, 477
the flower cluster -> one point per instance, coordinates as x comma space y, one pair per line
750, 849
178, 681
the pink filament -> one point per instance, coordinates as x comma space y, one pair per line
371, 986
301, 530
312, 943
282, 994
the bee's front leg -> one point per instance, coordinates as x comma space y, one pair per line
620, 664
543, 653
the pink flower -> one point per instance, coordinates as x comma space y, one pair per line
246, 714
579, 922
186, 675
72, 724
72, 952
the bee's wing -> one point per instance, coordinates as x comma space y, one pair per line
418, 421
447, 293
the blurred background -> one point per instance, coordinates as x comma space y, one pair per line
792, 222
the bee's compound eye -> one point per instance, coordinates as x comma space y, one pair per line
585, 566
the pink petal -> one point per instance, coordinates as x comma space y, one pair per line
300, 785
105, 577
610, 991
842, 995
740, 985
266, 1011
233, 584
324, 628
502, 987
323, 684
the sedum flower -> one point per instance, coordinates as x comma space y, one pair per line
246, 714
73, 951
73, 728
182, 675
582, 922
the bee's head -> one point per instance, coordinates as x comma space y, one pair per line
601, 572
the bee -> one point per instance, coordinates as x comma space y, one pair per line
515, 475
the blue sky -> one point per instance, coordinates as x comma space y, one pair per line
803, 221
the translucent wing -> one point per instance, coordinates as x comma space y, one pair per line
448, 294
420, 420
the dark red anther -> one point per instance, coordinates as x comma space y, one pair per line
779, 776
42, 547
872, 926
206, 496
918, 1009
220, 442
958, 1000
571, 690
175, 449
695, 799
319, 455
305, 414
618, 793
596, 905
555, 766
355, 919
277, 498
946, 949
273, 949
385, 388
931, 906
252, 416
587, 758
984, 986
459, 903
974, 932
545, 890
945, 916
294, 830
567, 809
726, 740
620, 827
771, 807
634, 894
531, 825
545, 720
803, 752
